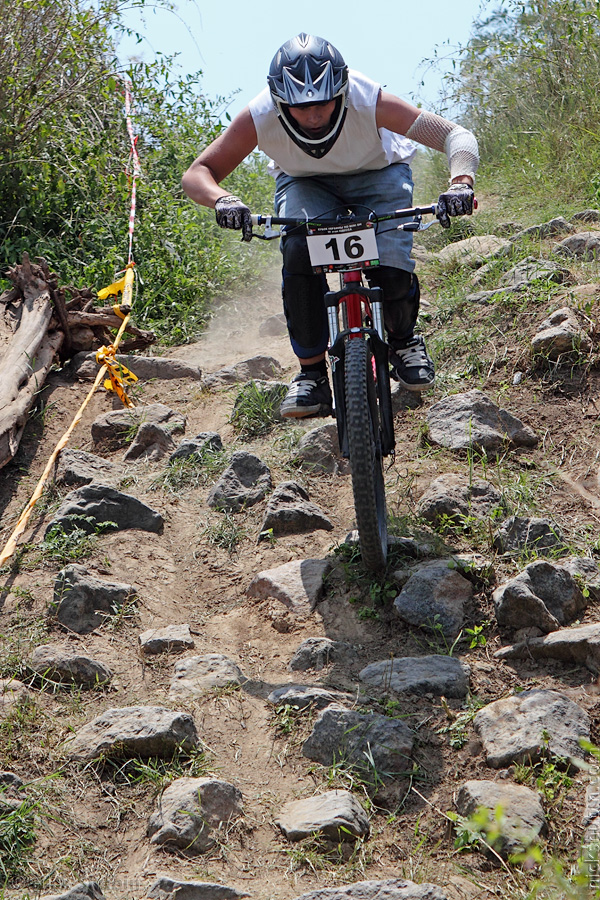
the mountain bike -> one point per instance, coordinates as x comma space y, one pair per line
359, 356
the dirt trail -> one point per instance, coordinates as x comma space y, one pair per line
91, 822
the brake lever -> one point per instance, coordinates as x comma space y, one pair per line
416, 225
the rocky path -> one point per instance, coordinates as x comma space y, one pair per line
203, 695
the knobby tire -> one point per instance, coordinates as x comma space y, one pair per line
364, 449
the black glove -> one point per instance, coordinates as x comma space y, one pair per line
231, 212
456, 201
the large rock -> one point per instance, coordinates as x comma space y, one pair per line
515, 810
439, 675
82, 602
319, 652
12, 692
290, 511
191, 811
196, 675
543, 595
204, 442
97, 504
116, 429
307, 696
167, 888
146, 368
474, 251
244, 482
528, 725
297, 584
168, 639
135, 731
564, 331
390, 889
258, 367
579, 645
530, 270
434, 598
336, 815
151, 442
584, 245
319, 451
558, 225
59, 664
528, 533
461, 421
456, 498
86, 890
359, 739
76, 468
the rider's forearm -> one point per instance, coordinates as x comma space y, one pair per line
201, 186
459, 144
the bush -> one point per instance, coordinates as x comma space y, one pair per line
64, 193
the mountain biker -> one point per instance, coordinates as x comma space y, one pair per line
336, 140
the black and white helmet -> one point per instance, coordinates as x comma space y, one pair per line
307, 70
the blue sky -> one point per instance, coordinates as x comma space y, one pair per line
233, 41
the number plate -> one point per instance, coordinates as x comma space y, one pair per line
342, 247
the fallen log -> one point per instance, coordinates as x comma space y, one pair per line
29, 351
38, 327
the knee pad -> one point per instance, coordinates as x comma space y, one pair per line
296, 260
401, 296
305, 313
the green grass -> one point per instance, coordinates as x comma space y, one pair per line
191, 472
256, 409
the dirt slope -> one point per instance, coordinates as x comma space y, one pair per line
91, 821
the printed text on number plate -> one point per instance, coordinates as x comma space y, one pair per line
343, 248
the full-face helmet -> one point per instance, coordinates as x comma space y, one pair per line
307, 70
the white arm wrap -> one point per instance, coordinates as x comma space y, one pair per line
440, 134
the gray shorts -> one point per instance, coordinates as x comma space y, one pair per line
379, 190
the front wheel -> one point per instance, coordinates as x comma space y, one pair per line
364, 450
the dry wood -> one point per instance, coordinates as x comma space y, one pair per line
30, 352
36, 325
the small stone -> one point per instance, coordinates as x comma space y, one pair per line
191, 810
196, 675
289, 511
434, 597
301, 696
97, 504
438, 675
198, 446
336, 815
528, 533
471, 419
76, 468
151, 442
166, 888
297, 584
169, 639
319, 451
524, 727
361, 740
544, 595
390, 889
59, 664
86, 890
320, 652
258, 367
82, 602
515, 810
245, 482
133, 730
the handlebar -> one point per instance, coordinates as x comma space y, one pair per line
351, 219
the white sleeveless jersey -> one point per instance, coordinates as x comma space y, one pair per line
360, 147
